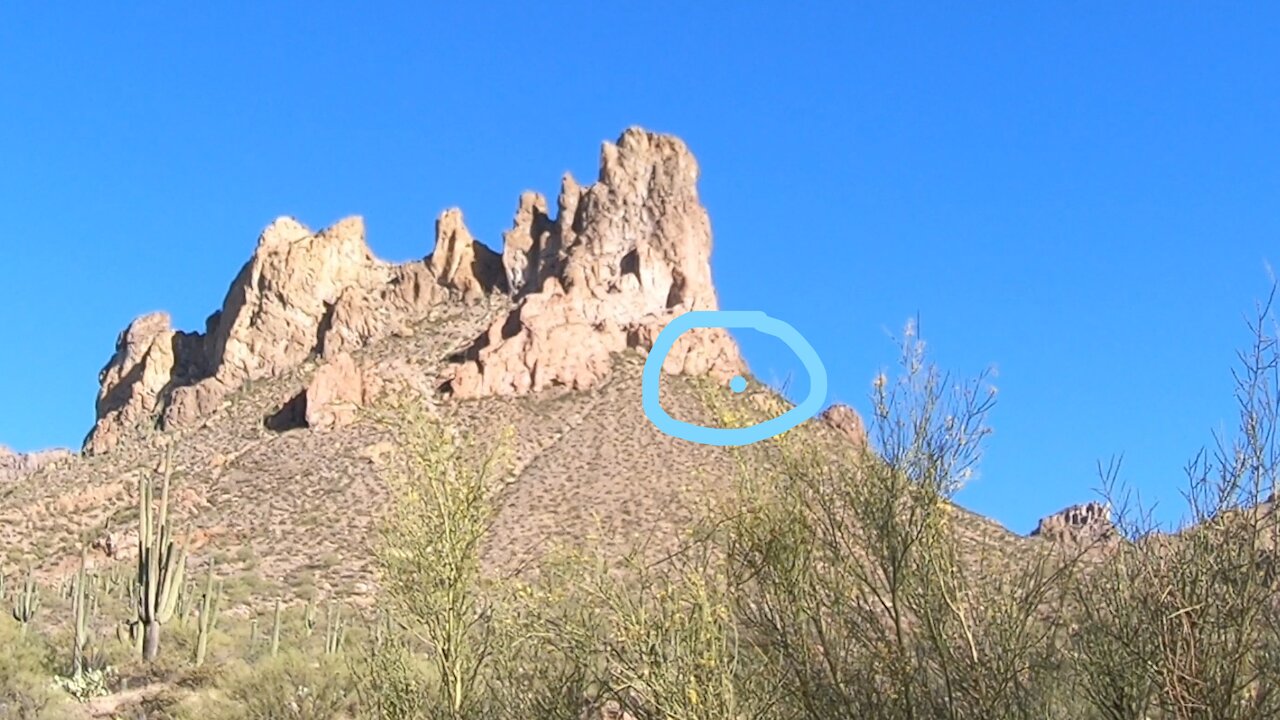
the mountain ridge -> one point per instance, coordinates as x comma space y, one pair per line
270, 405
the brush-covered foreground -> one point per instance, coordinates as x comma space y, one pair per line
829, 584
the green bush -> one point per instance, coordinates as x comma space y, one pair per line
26, 671
290, 686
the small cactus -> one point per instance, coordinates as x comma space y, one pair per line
183, 605
335, 630
382, 628
309, 618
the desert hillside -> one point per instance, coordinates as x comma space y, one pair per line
278, 409
283, 427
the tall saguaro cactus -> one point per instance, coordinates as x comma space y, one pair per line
161, 563
208, 616
80, 610
26, 601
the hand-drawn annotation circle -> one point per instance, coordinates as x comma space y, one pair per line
748, 319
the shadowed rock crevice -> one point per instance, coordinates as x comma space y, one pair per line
291, 416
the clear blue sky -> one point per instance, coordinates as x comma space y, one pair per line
1084, 198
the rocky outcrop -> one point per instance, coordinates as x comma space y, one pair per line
335, 393
846, 421
462, 264
300, 294
1085, 523
621, 259
272, 315
150, 359
14, 465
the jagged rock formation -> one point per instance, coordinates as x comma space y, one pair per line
620, 260
1079, 523
302, 293
14, 465
461, 263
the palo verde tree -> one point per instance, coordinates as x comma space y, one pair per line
851, 579
443, 494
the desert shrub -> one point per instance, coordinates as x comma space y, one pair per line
544, 666
26, 669
1183, 625
656, 639
851, 579
391, 682
290, 686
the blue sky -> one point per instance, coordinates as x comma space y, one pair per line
1081, 195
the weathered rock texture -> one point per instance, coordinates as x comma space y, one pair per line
1079, 523
620, 260
335, 393
301, 294
14, 465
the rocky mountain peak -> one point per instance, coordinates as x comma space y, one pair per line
1079, 523
621, 258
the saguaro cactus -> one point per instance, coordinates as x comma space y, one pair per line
26, 601
275, 631
80, 622
253, 634
208, 616
161, 563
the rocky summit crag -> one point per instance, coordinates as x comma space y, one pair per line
278, 456
621, 258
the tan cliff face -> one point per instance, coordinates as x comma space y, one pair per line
621, 258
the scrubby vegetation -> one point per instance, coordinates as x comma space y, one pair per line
834, 584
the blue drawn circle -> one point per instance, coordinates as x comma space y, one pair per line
749, 319
738, 384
